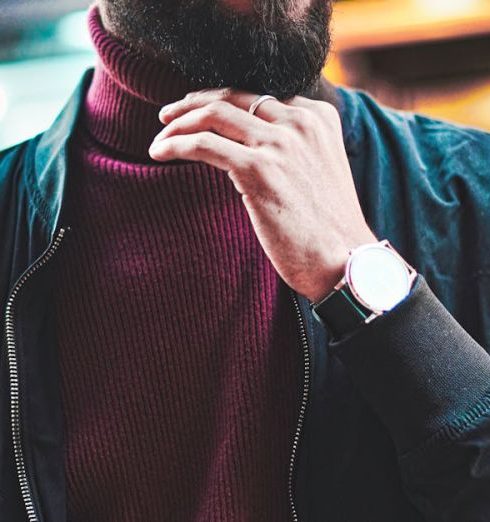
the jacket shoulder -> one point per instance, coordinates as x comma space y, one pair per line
407, 151
12, 158
434, 141
424, 183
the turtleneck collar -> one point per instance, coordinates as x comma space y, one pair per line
126, 93
128, 89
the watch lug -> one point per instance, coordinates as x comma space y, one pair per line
372, 317
410, 268
340, 284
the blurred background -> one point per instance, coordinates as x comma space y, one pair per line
430, 56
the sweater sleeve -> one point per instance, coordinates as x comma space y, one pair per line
429, 382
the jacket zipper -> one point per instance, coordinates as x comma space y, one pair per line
302, 410
15, 414
15, 397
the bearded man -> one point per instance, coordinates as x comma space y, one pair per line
235, 292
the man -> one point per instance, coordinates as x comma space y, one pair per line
179, 345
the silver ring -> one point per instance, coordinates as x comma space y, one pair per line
259, 100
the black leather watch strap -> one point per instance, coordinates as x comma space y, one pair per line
340, 312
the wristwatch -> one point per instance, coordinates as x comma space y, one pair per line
376, 279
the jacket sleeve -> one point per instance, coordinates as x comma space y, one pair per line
429, 382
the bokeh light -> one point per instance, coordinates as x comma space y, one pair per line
438, 7
3, 103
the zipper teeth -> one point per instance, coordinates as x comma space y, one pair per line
15, 416
15, 398
302, 410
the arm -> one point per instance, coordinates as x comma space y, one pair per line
426, 378
429, 382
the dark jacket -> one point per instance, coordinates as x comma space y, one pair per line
395, 419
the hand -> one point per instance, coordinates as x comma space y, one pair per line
288, 162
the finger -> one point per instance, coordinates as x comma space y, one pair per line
222, 118
203, 146
270, 110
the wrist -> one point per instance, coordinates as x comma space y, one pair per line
328, 275
376, 279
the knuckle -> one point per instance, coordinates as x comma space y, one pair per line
207, 114
281, 139
225, 93
330, 112
264, 160
211, 112
201, 141
285, 138
189, 100
301, 119
274, 138
215, 108
258, 140
210, 116
253, 162
328, 107
277, 137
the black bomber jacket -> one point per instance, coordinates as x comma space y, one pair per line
394, 423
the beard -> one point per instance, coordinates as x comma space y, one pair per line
267, 51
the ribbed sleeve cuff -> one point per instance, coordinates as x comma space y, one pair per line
417, 367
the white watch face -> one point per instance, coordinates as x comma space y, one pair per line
378, 277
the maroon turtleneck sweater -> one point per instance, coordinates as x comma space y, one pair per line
179, 353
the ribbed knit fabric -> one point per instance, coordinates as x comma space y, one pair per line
179, 354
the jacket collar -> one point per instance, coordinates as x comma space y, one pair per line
51, 157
